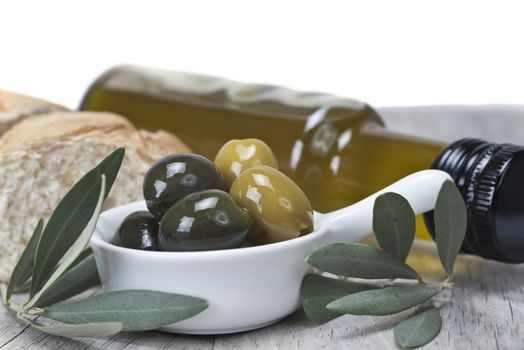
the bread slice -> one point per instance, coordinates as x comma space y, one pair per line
43, 156
14, 107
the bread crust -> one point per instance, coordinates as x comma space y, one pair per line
108, 127
12, 101
14, 107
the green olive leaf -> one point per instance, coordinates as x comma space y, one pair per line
84, 254
394, 224
24, 288
418, 330
450, 224
384, 301
359, 261
72, 254
137, 310
24, 267
101, 329
318, 291
80, 277
70, 218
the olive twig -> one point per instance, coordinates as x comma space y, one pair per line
439, 285
398, 282
16, 308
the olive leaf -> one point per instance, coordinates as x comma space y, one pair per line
24, 267
80, 277
360, 261
70, 217
394, 224
58, 264
101, 329
84, 254
26, 286
384, 301
419, 329
137, 310
318, 291
450, 224
75, 250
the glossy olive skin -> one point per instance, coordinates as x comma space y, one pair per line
236, 156
139, 230
175, 176
207, 220
277, 204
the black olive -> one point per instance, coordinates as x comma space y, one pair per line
139, 230
206, 220
175, 176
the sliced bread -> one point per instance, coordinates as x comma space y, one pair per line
43, 156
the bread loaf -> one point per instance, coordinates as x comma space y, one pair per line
43, 156
14, 107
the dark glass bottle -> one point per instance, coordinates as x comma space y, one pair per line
336, 149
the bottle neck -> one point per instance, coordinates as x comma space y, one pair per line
340, 163
396, 155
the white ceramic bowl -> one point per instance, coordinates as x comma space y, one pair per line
246, 288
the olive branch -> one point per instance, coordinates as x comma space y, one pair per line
360, 279
58, 264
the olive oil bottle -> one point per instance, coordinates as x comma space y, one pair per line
336, 149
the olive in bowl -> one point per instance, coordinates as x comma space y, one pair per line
236, 156
206, 220
175, 176
280, 209
139, 230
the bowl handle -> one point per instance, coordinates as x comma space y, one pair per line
352, 223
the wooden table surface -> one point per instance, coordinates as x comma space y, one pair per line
487, 303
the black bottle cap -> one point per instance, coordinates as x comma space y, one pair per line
491, 179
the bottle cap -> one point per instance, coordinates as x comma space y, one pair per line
490, 177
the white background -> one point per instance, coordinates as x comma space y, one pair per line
389, 52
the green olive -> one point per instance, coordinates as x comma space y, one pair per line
238, 155
206, 220
139, 230
175, 176
277, 204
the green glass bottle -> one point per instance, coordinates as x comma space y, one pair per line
336, 149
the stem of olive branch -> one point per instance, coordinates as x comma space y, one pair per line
388, 282
399, 282
18, 309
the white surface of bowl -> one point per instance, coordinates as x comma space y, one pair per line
239, 284
246, 288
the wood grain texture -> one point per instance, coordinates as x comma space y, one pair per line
487, 304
